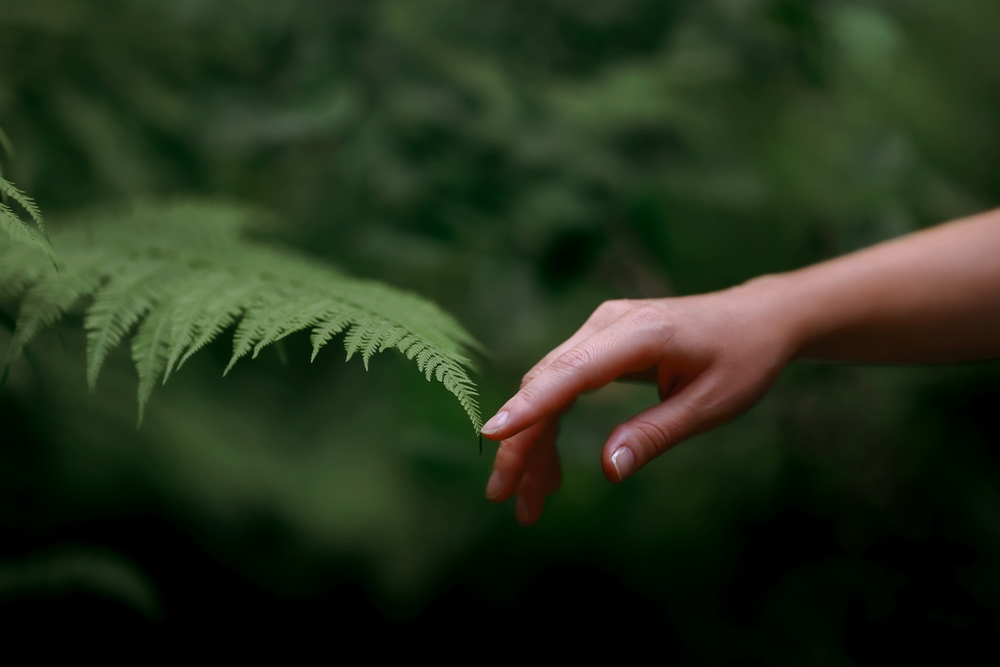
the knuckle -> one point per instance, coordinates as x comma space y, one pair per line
648, 315
530, 395
573, 359
604, 308
656, 321
654, 438
613, 307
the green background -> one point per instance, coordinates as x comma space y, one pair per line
518, 162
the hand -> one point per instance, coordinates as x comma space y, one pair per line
932, 296
712, 356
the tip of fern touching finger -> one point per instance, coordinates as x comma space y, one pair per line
269, 294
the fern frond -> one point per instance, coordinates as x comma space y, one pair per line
10, 223
328, 328
18, 271
15, 228
46, 301
118, 305
217, 313
187, 316
26, 202
150, 348
180, 274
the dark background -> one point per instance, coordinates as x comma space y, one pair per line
518, 162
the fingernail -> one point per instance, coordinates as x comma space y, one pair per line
496, 423
493, 486
624, 462
521, 510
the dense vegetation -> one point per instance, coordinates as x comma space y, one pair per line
516, 163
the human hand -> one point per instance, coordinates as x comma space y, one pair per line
712, 357
931, 296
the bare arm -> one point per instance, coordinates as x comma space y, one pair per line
933, 296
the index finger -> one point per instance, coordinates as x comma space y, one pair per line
630, 345
606, 314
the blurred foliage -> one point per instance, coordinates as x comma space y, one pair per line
518, 163
103, 573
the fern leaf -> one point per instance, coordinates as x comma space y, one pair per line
18, 231
118, 306
218, 313
14, 227
290, 318
26, 202
363, 337
182, 316
332, 325
181, 274
10, 223
47, 300
150, 350
18, 271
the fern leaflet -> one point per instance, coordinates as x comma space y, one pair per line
15, 228
10, 223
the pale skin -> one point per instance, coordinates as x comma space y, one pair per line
929, 297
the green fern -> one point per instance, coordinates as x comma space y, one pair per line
180, 274
15, 228
10, 223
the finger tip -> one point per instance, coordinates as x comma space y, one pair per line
521, 510
608, 468
524, 513
494, 486
610, 474
492, 428
620, 463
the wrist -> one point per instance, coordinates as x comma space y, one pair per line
775, 304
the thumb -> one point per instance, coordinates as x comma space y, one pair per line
652, 432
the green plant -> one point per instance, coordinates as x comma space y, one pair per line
182, 273
10, 222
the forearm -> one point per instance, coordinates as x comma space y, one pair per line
932, 296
